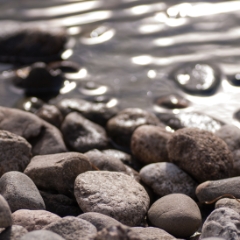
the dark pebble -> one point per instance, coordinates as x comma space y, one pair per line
14, 232
5, 213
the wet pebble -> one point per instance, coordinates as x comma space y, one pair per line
33, 219
234, 79
15, 186
114, 194
30, 104
201, 154
229, 203
41, 235
5, 216
166, 178
15, 232
82, 135
177, 214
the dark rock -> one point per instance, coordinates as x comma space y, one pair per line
72, 228
64, 66
33, 219
236, 163
44, 138
114, 194
83, 135
229, 203
15, 152
14, 232
149, 144
20, 192
41, 235
121, 127
171, 120
177, 214
57, 172
210, 190
234, 79
5, 213
222, 223
166, 178
60, 204
201, 154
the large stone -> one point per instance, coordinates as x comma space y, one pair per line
201, 154
72, 228
57, 172
15, 152
114, 194
14, 232
166, 178
20, 192
41, 235
33, 219
222, 223
177, 214
5, 213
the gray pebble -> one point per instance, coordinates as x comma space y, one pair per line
114, 194
229, 203
33, 219
41, 235
72, 228
15, 152
223, 223
177, 214
5, 213
14, 232
82, 135
20, 192
57, 172
166, 178
210, 190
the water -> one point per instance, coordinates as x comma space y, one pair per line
134, 48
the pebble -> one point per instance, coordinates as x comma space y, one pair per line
20, 192
60, 204
223, 223
121, 127
33, 219
15, 152
210, 190
57, 172
72, 228
5, 216
177, 214
44, 137
114, 194
236, 163
82, 135
30, 104
149, 144
41, 235
14, 232
229, 203
201, 154
166, 178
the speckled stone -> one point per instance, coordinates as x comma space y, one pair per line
201, 154
166, 178
41, 235
114, 194
5, 213
229, 203
14, 232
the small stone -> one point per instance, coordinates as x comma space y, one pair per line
236, 163
222, 223
121, 127
15, 152
5, 213
41, 235
33, 219
210, 190
229, 203
100, 221
201, 154
30, 104
83, 135
60, 204
20, 192
57, 172
166, 178
149, 144
14, 232
72, 228
114, 194
177, 214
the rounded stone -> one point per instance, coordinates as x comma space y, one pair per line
149, 144
41, 235
222, 223
114, 194
14, 232
83, 135
229, 203
177, 214
15, 152
15, 186
5, 213
236, 163
201, 154
166, 178
72, 228
33, 219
